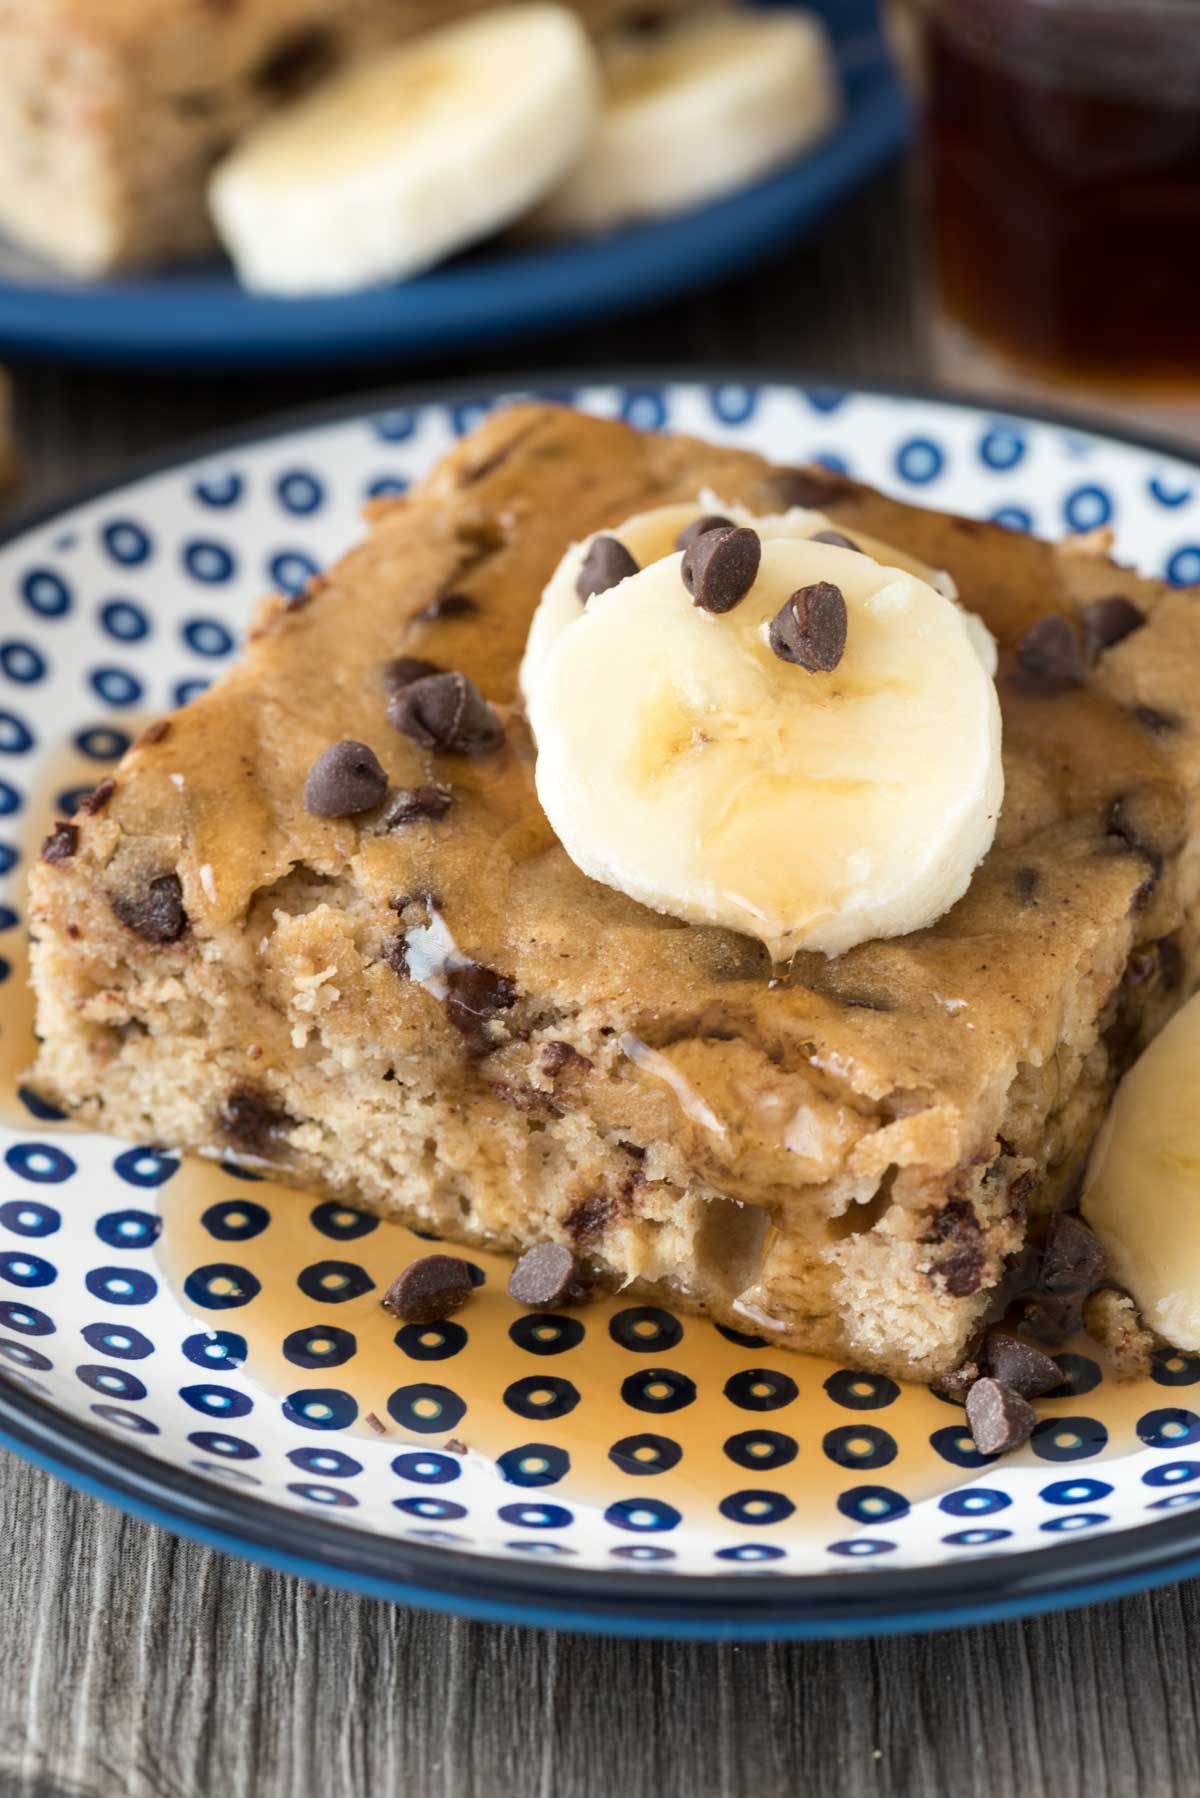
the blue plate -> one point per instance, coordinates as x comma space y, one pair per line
165, 1341
199, 317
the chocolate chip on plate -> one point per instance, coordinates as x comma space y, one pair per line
700, 527
62, 842
1020, 1366
720, 568
1073, 1259
448, 712
1108, 621
409, 804
1000, 1418
156, 912
1051, 1317
607, 561
402, 671
1050, 654
810, 628
547, 1274
447, 605
345, 779
98, 798
429, 1289
836, 539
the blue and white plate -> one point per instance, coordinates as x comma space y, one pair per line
198, 316
208, 1350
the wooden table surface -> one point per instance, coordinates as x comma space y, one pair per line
133, 1665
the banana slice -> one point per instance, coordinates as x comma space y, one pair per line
683, 761
648, 536
695, 110
399, 161
1143, 1191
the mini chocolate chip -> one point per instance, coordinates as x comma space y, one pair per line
589, 1217
546, 1275
430, 1289
373, 1422
475, 995
253, 1120
345, 779
411, 803
395, 953
1161, 723
700, 527
1072, 1259
447, 712
813, 488
156, 912
1108, 621
961, 1271
402, 671
98, 798
720, 568
1050, 655
62, 842
959, 1381
1000, 1418
1027, 881
154, 733
556, 1058
607, 561
446, 605
1020, 1366
836, 539
1051, 1317
809, 629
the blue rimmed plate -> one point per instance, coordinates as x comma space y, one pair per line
199, 317
208, 1350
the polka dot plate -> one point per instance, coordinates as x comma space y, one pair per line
208, 1350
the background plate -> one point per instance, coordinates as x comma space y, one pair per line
205, 1349
198, 316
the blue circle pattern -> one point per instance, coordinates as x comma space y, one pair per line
22, 663
122, 619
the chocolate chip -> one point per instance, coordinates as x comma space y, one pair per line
430, 1289
296, 62
556, 1058
447, 712
720, 568
253, 1120
402, 671
959, 1381
395, 953
1049, 655
1052, 1317
412, 803
813, 488
546, 1275
447, 605
1108, 621
98, 798
1161, 723
345, 779
475, 994
1027, 881
700, 527
62, 842
154, 733
1020, 1366
607, 561
1072, 1258
1000, 1419
156, 912
809, 629
589, 1216
836, 539
373, 1422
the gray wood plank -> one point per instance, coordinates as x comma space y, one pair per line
136, 1666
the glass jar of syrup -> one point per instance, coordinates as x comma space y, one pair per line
1059, 169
